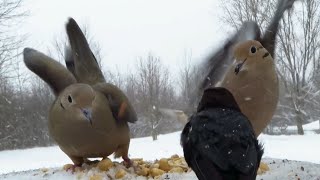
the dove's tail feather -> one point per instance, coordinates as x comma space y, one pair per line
269, 38
69, 59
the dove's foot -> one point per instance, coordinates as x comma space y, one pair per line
127, 162
71, 168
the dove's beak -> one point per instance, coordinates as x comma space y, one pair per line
87, 112
239, 66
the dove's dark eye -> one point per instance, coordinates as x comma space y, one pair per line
253, 49
69, 99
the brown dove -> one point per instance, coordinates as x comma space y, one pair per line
218, 70
216, 66
89, 118
82, 63
252, 80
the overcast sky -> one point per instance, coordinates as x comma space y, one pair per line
127, 29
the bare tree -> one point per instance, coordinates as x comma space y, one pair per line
190, 76
115, 77
11, 14
239, 11
152, 84
131, 86
299, 56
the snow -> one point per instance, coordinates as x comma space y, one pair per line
54, 174
307, 127
284, 169
21, 160
294, 147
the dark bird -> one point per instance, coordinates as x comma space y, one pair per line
219, 142
89, 117
218, 65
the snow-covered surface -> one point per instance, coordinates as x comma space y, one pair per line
279, 170
295, 170
307, 127
54, 174
294, 147
19, 160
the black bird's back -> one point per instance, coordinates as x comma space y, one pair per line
219, 143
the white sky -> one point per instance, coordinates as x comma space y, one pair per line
127, 29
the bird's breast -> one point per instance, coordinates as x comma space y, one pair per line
76, 136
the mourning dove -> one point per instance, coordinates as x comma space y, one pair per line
82, 63
218, 70
219, 142
253, 81
89, 118
216, 66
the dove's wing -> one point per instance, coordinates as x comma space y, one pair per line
269, 38
83, 64
52, 72
120, 106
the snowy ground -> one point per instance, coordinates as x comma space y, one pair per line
294, 147
306, 127
310, 128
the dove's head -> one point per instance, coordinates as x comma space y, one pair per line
73, 100
251, 54
77, 100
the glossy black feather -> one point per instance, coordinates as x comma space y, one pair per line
219, 141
